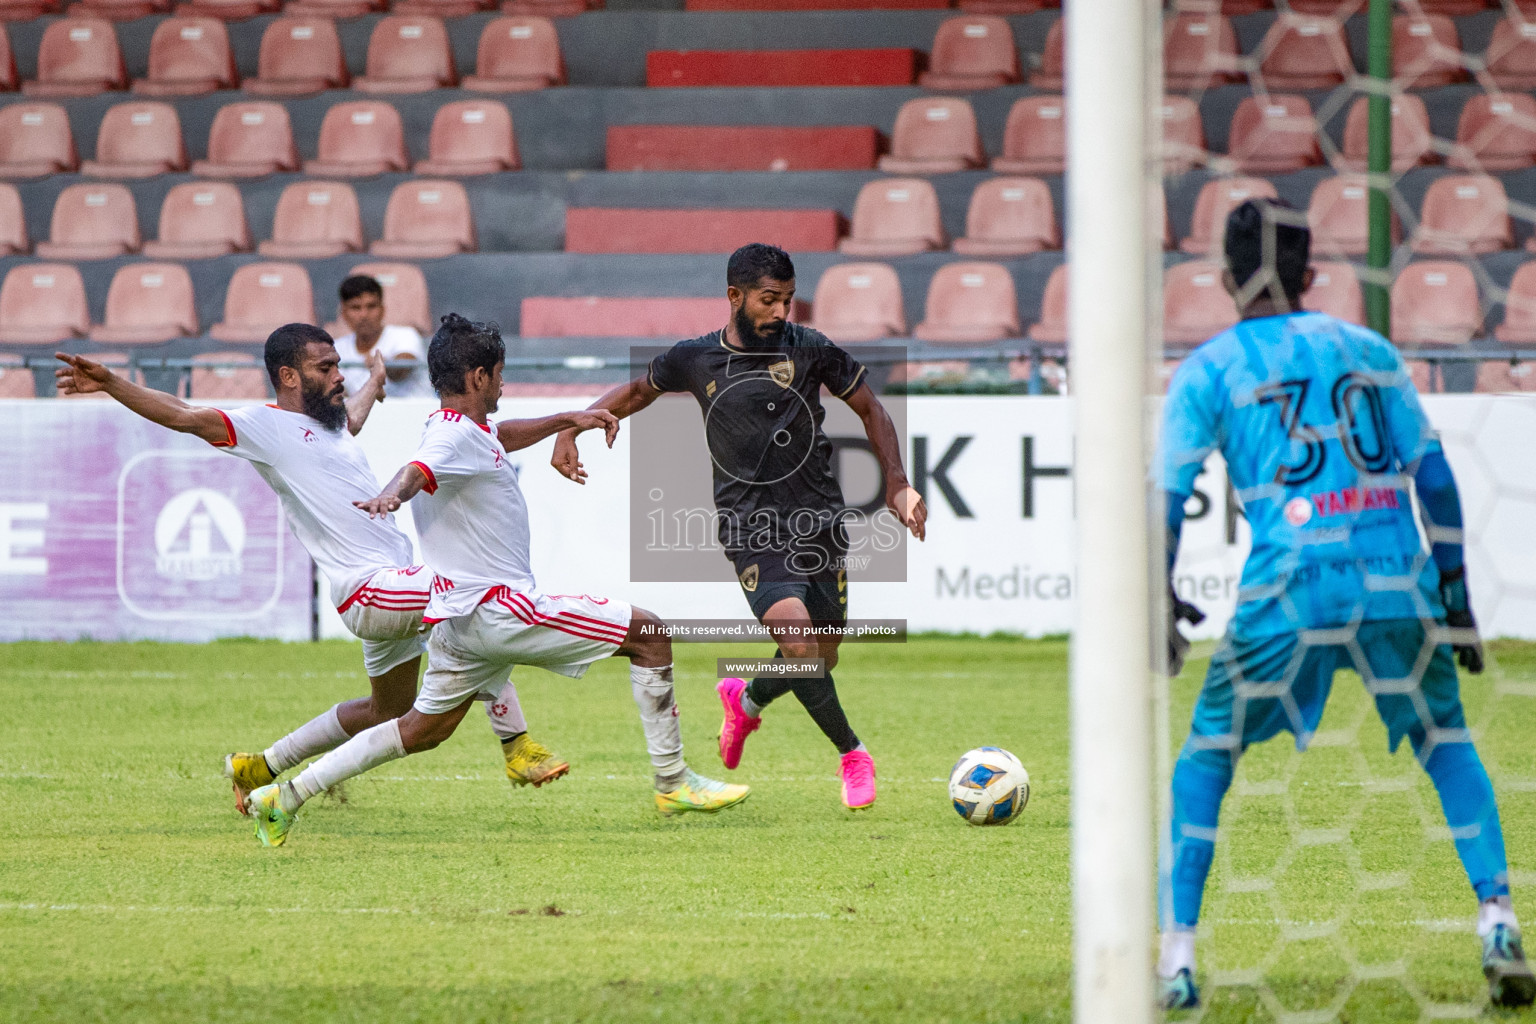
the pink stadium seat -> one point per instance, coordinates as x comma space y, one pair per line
470, 137
1196, 307
1035, 137
1426, 51
1498, 376
1273, 134
313, 220
1051, 328
1199, 51
1511, 54
1051, 73
1496, 133
16, 381
517, 53
894, 217
1412, 143
360, 139
859, 302
42, 304
970, 303
1435, 303
1339, 216
148, 303
1519, 326
78, 57
972, 53
426, 219
408, 54
934, 136
138, 140
1304, 51
1464, 214
248, 140
188, 57
223, 375
1009, 217
405, 293
13, 223
1335, 290
8, 79
1183, 135
1217, 199
35, 140
200, 220
261, 297
92, 222
299, 56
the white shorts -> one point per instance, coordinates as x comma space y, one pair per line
384, 612
472, 655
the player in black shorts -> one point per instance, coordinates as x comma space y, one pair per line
781, 516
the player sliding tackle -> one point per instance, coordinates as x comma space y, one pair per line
1322, 432
487, 611
303, 447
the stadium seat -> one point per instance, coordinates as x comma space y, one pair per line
248, 140
360, 139
517, 53
1496, 133
971, 53
1051, 73
470, 137
1273, 134
700, 147
859, 302
16, 381
970, 303
227, 10
1335, 290
894, 217
1412, 143
188, 57
426, 219
1339, 216
1304, 51
1009, 217
408, 54
1494, 376
313, 220
1199, 51
628, 230
1183, 135
35, 140
934, 136
8, 78
137, 140
1435, 303
1196, 307
13, 223
1035, 137
219, 376
92, 222
148, 303
118, 10
119, 363
1217, 199
1511, 55
261, 297
200, 220
1464, 215
1051, 328
1519, 326
1426, 51
299, 56
333, 8
78, 57
405, 293
42, 304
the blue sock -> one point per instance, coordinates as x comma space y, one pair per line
1200, 780
1466, 796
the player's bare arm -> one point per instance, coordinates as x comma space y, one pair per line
516, 435
361, 404
82, 376
406, 484
624, 400
900, 496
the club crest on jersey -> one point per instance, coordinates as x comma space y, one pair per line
749, 579
309, 436
782, 373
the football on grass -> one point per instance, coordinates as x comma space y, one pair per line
989, 786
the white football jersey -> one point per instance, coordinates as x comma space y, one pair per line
471, 518
317, 474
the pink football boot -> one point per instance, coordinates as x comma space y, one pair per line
738, 725
858, 772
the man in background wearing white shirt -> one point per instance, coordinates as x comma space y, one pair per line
362, 309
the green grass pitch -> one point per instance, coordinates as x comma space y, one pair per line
129, 890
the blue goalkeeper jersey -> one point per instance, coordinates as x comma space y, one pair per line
1320, 427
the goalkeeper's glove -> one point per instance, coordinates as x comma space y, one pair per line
1178, 645
1458, 615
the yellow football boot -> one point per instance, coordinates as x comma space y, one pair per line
531, 763
700, 794
245, 773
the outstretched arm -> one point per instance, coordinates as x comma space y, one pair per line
361, 404
81, 376
515, 435
624, 400
900, 496
409, 482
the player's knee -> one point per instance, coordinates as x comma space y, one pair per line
423, 732
647, 641
829, 655
795, 647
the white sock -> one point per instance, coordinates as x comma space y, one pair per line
368, 749
750, 706
652, 688
319, 734
1178, 952
1494, 912
506, 713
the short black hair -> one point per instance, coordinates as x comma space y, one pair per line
285, 346
360, 284
751, 263
1269, 231
459, 346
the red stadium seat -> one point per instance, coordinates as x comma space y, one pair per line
1051, 73
1217, 199
970, 303
1519, 326
148, 303
8, 78
261, 297
360, 139
249, 140
78, 57
1304, 51
426, 219
227, 10
1035, 137
1009, 217
517, 53
859, 302
313, 220
42, 304
13, 223
26, 10
405, 293
35, 140
934, 136
220, 376
471, 137
118, 10
1199, 51
1496, 133
1336, 291
1273, 135
1412, 143
971, 53
1435, 303
1339, 216
1511, 55
408, 54
299, 56
138, 140
1051, 328
895, 217
1426, 51
333, 8
1499, 376
1196, 306
189, 57
1183, 135
621, 230
16, 381
1464, 215
200, 220
92, 222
